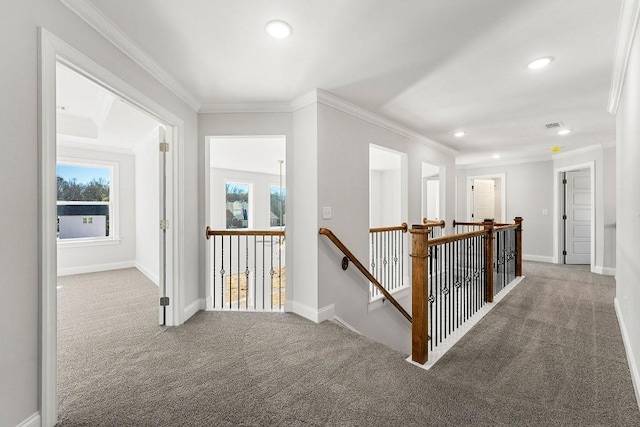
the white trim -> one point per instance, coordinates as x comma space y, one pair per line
147, 272
627, 26
53, 50
346, 325
505, 162
448, 343
32, 421
258, 107
556, 208
576, 151
105, 27
606, 271
304, 101
381, 301
198, 305
87, 242
312, 314
84, 143
537, 258
95, 268
363, 114
633, 365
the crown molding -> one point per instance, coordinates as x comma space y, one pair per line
366, 115
258, 107
505, 162
576, 151
83, 143
96, 20
304, 100
627, 26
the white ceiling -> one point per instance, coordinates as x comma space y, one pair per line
90, 115
433, 66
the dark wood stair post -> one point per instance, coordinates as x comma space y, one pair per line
518, 221
488, 259
419, 293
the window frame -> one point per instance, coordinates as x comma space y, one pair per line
114, 211
250, 210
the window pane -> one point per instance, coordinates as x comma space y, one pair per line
278, 206
237, 198
83, 201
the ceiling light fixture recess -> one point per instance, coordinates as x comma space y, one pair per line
278, 29
564, 132
539, 63
459, 134
496, 156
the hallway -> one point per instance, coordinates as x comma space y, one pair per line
549, 354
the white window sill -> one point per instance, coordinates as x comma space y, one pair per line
382, 301
79, 243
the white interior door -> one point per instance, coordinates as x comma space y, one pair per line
577, 228
483, 199
163, 146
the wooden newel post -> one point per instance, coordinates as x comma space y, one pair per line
419, 293
518, 221
488, 259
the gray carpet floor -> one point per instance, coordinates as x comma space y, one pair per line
549, 354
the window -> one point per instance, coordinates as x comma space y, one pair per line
278, 199
237, 204
85, 201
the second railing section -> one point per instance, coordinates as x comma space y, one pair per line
247, 269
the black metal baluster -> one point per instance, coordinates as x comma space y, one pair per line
246, 272
213, 271
222, 284
255, 271
280, 272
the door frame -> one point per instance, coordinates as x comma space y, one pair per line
52, 50
503, 195
557, 214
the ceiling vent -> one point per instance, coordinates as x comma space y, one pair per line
554, 125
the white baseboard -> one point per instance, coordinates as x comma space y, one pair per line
312, 314
633, 364
196, 306
95, 268
147, 272
32, 421
606, 271
537, 258
346, 325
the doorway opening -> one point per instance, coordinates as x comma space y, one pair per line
486, 198
246, 196
576, 216
100, 216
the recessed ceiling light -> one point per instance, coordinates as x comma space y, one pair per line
278, 29
496, 156
564, 132
459, 134
540, 63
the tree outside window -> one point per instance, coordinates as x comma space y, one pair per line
278, 196
237, 204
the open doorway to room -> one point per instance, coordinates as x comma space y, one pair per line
246, 197
111, 263
574, 215
387, 219
486, 197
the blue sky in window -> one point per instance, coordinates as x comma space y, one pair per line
83, 174
276, 190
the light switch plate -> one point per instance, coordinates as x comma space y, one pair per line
326, 212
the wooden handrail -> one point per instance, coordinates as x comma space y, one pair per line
455, 237
235, 232
404, 227
364, 271
500, 227
433, 223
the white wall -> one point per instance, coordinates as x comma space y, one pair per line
343, 147
83, 259
529, 190
19, 247
147, 186
628, 212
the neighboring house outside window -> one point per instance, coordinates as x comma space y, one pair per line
85, 201
237, 204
